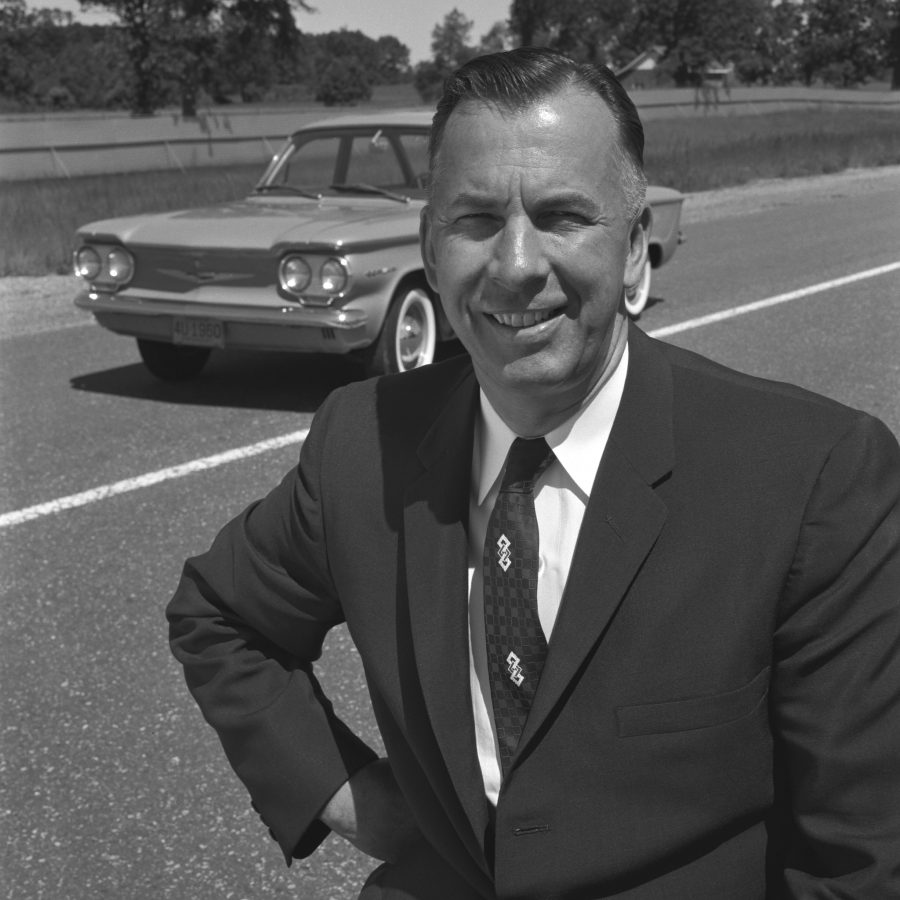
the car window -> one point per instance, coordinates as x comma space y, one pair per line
355, 161
311, 164
373, 160
415, 146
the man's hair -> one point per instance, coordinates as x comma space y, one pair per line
516, 79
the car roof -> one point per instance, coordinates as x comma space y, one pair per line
402, 118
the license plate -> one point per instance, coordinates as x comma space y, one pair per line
198, 332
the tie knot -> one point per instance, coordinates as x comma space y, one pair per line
526, 459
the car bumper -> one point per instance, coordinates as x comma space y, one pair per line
305, 329
665, 233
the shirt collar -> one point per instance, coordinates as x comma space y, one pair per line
578, 443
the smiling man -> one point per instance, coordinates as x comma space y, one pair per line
628, 619
528, 240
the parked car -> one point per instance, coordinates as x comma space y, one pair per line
323, 256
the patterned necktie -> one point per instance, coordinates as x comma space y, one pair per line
516, 646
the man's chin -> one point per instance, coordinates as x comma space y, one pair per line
533, 373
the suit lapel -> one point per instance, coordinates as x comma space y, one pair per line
622, 522
436, 510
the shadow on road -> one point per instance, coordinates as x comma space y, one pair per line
287, 382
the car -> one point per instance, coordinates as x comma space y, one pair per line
322, 257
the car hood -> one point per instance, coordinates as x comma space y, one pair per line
260, 224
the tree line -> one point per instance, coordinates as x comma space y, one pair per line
160, 53
163, 52
840, 43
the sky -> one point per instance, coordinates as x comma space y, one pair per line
411, 21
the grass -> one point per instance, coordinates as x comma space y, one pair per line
38, 218
700, 154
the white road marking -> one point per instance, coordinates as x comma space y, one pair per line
712, 318
150, 478
297, 437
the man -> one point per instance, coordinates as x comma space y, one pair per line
702, 699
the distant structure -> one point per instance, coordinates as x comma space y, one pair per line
635, 74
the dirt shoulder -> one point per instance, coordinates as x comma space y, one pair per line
706, 206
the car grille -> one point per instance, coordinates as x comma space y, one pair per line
179, 271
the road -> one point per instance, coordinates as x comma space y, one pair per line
112, 786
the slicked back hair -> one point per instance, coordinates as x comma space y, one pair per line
517, 79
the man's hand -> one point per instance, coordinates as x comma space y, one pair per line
371, 813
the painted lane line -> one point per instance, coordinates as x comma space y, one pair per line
712, 318
150, 478
297, 437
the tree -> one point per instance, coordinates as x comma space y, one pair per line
258, 43
47, 59
343, 81
25, 38
142, 22
845, 42
587, 30
894, 53
695, 33
771, 58
175, 41
428, 80
347, 63
351, 45
497, 38
530, 21
450, 41
450, 48
393, 60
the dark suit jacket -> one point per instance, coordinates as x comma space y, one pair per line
719, 715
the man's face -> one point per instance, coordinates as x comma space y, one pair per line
528, 241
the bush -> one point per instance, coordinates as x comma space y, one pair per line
343, 82
428, 79
59, 97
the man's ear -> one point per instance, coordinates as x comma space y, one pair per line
638, 247
426, 247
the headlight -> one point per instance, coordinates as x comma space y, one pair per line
87, 263
294, 274
107, 266
119, 265
333, 276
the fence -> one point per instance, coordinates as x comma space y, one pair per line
66, 145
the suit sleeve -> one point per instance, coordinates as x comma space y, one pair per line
836, 686
247, 622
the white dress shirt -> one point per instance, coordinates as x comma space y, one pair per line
560, 498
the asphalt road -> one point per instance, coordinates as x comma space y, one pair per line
112, 786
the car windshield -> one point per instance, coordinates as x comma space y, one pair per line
385, 162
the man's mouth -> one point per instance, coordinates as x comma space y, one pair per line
525, 319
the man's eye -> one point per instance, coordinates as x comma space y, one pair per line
561, 218
477, 224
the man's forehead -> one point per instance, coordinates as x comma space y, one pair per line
543, 109
564, 130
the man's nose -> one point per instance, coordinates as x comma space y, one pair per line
518, 262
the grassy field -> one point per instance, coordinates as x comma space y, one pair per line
38, 218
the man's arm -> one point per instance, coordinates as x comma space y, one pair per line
371, 813
246, 622
836, 685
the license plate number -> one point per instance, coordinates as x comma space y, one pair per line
198, 332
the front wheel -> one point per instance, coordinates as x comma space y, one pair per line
636, 300
409, 335
170, 362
